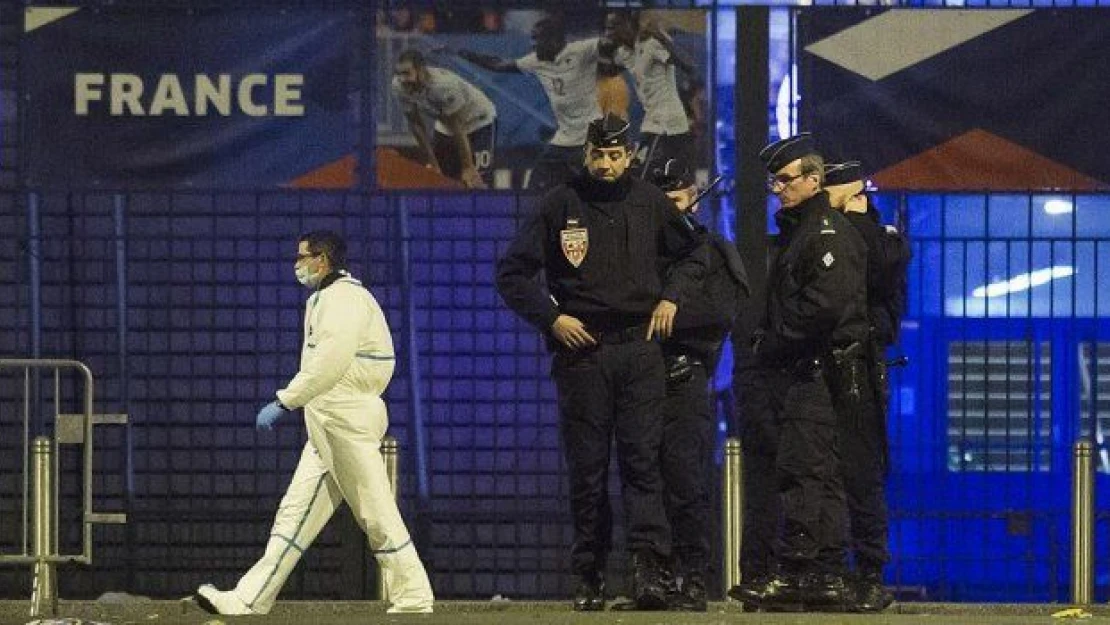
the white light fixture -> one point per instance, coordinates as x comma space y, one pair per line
785, 119
1058, 206
1023, 281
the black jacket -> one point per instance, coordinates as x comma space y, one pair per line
711, 309
600, 246
816, 292
888, 255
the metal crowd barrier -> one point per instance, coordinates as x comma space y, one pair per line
41, 478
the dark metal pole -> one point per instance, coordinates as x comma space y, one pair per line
34, 267
416, 391
119, 221
34, 264
751, 123
752, 85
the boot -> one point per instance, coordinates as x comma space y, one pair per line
649, 582
589, 593
870, 594
691, 597
649, 585
826, 592
774, 593
749, 590
794, 592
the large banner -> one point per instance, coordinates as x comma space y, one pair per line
131, 98
500, 98
961, 100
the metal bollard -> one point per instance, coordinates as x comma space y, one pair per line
391, 454
1082, 524
732, 505
44, 589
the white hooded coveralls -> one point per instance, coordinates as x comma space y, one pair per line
346, 362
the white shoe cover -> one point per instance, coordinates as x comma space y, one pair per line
221, 602
419, 609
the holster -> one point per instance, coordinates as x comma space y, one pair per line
845, 368
878, 369
679, 368
881, 388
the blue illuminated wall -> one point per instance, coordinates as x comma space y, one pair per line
1005, 311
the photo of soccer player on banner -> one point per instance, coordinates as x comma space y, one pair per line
501, 98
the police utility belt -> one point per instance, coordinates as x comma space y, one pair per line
615, 336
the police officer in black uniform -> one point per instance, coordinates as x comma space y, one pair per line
863, 427
813, 338
600, 241
888, 250
690, 356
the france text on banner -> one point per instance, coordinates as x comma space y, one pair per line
165, 99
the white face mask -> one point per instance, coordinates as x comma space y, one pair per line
306, 277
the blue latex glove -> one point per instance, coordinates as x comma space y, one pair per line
270, 413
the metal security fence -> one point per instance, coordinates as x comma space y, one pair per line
184, 306
1006, 314
494, 496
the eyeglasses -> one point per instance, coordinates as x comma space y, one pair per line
301, 257
781, 180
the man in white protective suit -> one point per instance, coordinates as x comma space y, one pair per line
346, 362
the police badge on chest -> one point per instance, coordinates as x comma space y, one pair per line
575, 241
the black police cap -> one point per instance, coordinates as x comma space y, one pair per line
672, 175
610, 131
843, 173
784, 151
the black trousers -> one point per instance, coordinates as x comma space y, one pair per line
757, 407
685, 461
613, 390
810, 482
863, 454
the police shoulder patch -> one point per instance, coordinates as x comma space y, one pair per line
575, 243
